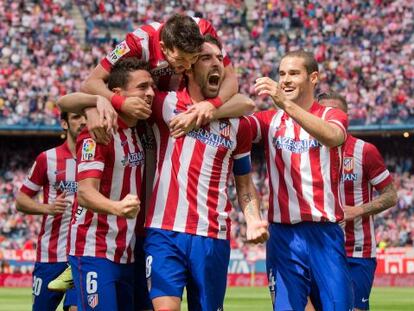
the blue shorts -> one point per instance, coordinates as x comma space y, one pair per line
308, 259
44, 299
176, 260
362, 274
102, 284
141, 294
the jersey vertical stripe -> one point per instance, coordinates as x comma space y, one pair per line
119, 166
55, 171
303, 174
363, 169
190, 187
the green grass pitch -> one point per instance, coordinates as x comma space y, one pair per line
238, 298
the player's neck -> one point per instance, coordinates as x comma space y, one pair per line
71, 145
306, 102
195, 92
130, 122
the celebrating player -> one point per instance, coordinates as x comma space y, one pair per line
55, 171
305, 252
110, 182
188, 226
170, 49
363, 171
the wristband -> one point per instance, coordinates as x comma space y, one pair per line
117, 101
215, 101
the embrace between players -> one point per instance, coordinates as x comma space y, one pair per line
160, 158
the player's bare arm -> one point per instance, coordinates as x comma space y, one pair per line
101, 116
95, 83
238, 105
328, 134
27, 205
90, 198
387, 199
247, 196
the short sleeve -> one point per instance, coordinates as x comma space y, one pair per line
374, 167
37, 176
90, 157
130, 47
339, 118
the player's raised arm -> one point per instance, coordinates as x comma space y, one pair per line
95, 83
328, 133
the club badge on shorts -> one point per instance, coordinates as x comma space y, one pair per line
93, 300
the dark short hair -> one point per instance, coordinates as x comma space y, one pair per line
119, 75
311, 64
334, 96
64, 116
213, 40
183, 33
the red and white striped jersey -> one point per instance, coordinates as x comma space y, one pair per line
363, 170
190, 185
144, 43
55, 171
119, 167
303, 174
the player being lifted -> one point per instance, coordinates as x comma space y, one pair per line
170, 48
55, 171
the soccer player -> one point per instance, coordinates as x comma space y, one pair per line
110, 177
188, 226
170, 49
302, 139
54, 170
363, 171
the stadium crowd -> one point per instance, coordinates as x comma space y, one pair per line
365, 48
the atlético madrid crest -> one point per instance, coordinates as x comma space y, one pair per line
225, 128
348, 164
93, 300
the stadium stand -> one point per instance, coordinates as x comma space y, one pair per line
365, 48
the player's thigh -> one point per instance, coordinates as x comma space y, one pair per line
43, 298
141, 294
125, 287
287, 267
331, 279
362, 274
95, 282
209, 261
70, 299
166, 263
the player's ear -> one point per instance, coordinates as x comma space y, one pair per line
162, 45
117, 90
314, 77
64, 124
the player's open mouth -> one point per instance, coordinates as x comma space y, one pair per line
288, 90
214, 79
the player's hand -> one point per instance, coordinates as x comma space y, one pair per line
183, 123
96, 127
107, 114
267, 87
59, 205
128, 207
352, 212
204, 111
257, 231
136, 107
